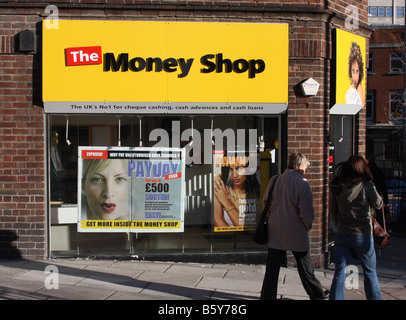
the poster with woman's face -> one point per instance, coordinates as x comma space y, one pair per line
350, 68
106, 187
130, 189
236, 191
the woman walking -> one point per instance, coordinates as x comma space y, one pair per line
290, 220
352, 195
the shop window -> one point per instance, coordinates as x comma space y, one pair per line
132, 131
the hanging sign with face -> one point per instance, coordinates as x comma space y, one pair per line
350, 72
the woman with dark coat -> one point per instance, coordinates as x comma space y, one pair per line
290, 219
352, 198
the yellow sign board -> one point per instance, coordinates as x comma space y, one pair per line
144, 67
350, 52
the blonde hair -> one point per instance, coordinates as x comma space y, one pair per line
92, 165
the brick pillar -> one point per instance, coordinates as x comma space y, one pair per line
308, 119
22, 151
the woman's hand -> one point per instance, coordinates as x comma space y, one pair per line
223, 197
221, 192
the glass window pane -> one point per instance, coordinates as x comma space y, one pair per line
396, 103
396, 61
373, 11
102, 130
370, 105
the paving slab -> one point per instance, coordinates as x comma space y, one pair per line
234, 285
196, 270
77, 293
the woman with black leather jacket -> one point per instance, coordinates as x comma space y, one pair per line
352, 196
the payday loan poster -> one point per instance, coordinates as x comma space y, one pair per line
124, 189
236, 190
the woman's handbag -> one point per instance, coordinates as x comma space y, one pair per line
260, 235
381, 237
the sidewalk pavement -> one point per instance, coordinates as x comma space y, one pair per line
86, 279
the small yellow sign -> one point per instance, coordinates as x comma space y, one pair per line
130, 224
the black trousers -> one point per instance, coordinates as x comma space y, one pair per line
306, 272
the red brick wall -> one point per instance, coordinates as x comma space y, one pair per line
22, 148
22, 159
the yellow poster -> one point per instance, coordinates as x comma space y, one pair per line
143, 67
350, 69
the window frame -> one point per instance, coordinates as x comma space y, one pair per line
396, 57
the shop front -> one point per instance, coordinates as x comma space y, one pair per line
161, 136
187, 108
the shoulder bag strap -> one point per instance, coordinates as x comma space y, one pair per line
383, 218
269, 199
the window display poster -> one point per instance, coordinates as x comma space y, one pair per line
236, 190
123, 189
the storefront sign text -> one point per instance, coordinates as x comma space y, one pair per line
137, 64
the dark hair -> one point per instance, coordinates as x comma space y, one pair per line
353, 169
251, 184
356, 56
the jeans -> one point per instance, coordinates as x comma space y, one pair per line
305, 268
363, 247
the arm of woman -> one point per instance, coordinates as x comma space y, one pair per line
305, 205
232, 211
361, 93
374, 199
222, 197
219, 215
333, 208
